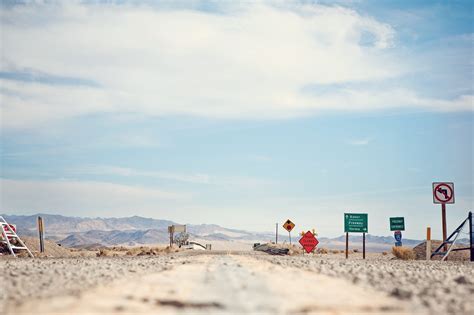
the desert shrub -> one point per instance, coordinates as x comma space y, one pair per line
384, 253
104, 253
356, 250
403, 253
119, 249
322, 251
146, 251
335, 251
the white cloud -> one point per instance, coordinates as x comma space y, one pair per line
251, 62
224, 181
69, 195
197, 178
359, 142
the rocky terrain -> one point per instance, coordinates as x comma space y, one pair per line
442, 287
236, 282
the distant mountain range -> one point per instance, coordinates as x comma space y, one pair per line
76, 232
84, 232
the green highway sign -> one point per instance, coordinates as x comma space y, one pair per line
397, 224
356, 222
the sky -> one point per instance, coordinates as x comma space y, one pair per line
240, 113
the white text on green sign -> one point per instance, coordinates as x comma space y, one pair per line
356, 222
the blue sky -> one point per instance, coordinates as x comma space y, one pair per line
241, 114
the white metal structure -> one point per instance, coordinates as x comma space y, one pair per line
7, 234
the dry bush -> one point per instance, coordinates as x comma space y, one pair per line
135, 251
334, 251
322, 251
119, 249
403, 253
294, 250
149, 251
356, 250
105, 253
384, 253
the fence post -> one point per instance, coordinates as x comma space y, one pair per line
41, 233
428, 243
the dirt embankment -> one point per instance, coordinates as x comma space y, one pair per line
420, 251
53, 250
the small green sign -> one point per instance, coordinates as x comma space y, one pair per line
397, 224
356, 222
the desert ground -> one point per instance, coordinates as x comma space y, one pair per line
235, 282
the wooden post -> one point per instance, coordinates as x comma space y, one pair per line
171, 231
41, 234
443, 215
363, 245
347, 245
428, 243
276, 233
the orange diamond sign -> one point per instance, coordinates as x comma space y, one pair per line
309, 242
288, 225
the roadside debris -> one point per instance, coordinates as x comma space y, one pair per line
272, 250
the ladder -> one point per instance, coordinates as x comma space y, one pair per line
7, 234
451, 240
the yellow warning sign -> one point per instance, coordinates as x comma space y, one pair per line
288, 225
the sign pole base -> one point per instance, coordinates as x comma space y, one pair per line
363, 245
428, 250
428, 243
347, 245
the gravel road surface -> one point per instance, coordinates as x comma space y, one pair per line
225, 283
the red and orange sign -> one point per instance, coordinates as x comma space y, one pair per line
309, 242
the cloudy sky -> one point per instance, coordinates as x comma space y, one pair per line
238, 113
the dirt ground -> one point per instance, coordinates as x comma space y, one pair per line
224, 282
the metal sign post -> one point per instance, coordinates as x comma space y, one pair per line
398, 238
443, 193
347, 245
471, 235
363, 245
443, 219
356, 223
276, 233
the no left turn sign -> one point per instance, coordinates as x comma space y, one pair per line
443, 193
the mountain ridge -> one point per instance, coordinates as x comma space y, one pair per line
137, 230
